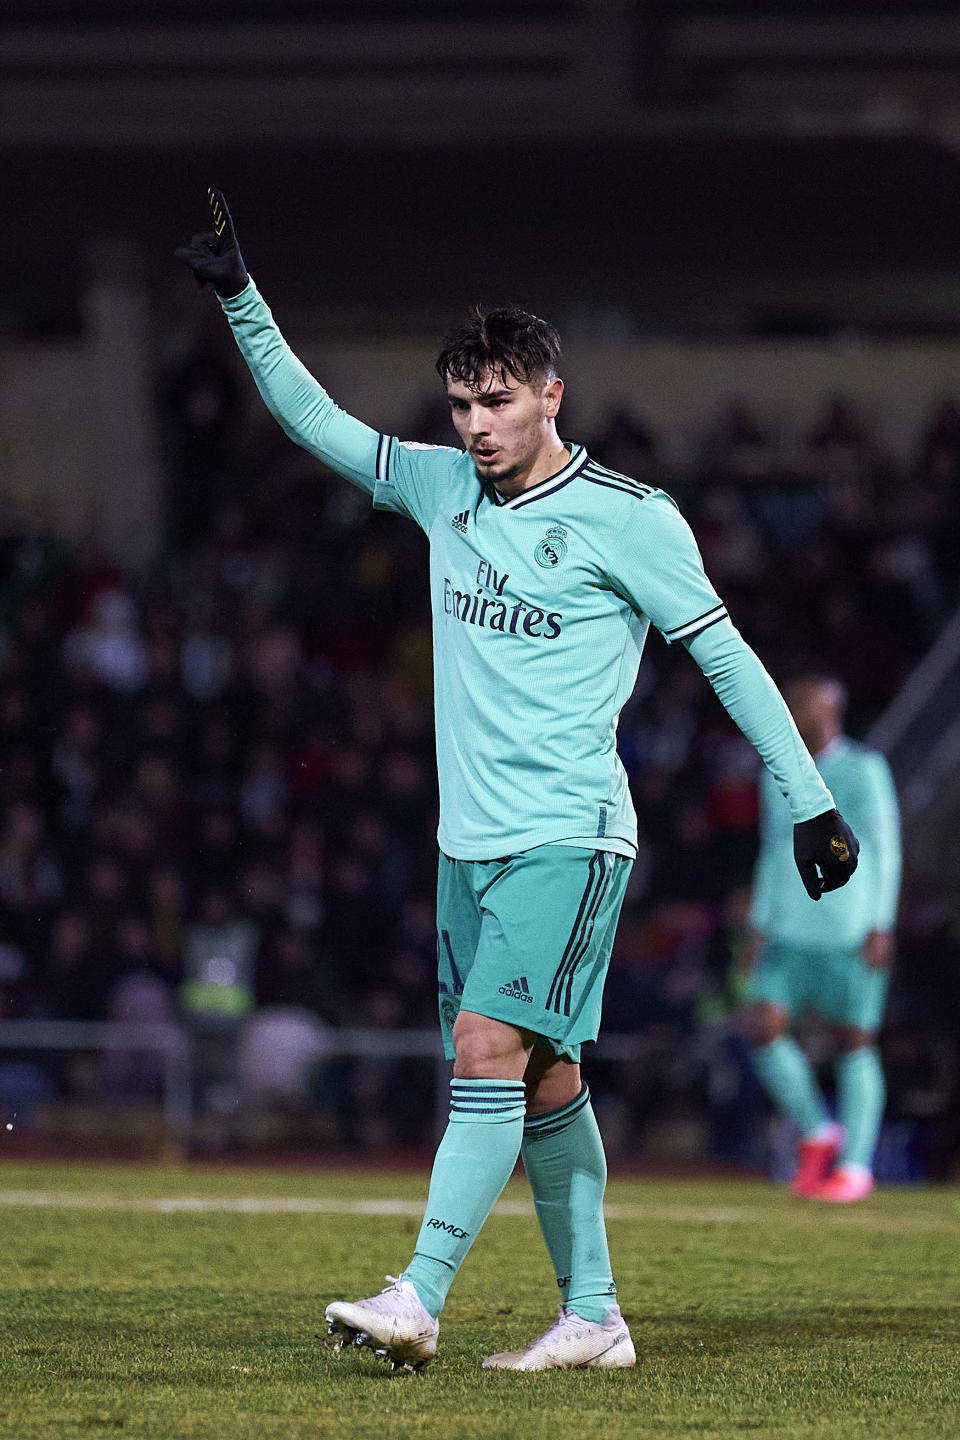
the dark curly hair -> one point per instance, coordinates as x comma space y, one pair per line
500, 342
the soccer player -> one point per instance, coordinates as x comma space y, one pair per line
546, 572
834, 960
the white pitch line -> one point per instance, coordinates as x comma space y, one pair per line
328, 1205
867, 1219
210, 1204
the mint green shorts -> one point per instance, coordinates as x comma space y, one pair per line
527, 940
837, 984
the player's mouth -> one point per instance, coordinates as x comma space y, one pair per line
485, 455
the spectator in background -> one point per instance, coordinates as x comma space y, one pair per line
215, 849
17, 989
108, 895
219, 961
108, 644
17, 717
927, 501
627, 445
31, 880
77, 766
217, 991
215, 760
76, 974
737, 446
263, 788
288, 974
301, 885
166, 907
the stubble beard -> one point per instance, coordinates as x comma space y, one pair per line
529, 442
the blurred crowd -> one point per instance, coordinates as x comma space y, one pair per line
217, 794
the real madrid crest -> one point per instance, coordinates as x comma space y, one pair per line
552, 548
449, 1009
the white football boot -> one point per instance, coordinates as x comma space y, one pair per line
394, 1324
571, 1341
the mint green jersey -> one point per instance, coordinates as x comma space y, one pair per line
541, 607
860, 780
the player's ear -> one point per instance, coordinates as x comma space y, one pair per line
553, 394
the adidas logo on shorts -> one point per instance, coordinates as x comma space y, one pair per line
459, 522
518, 990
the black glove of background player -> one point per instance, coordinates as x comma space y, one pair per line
214, 257
828, 842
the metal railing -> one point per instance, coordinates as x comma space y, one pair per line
167, 1040
178, 1051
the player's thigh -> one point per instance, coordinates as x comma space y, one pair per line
779, 981
549, 920
853, 993
458, 932
764, 1022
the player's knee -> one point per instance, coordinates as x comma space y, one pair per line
765, 1023
851, 1037
487, 1049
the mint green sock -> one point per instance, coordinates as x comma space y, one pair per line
787, 1076
861, 1095
474, 1161
563, 1156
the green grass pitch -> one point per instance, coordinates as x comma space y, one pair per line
162, 1302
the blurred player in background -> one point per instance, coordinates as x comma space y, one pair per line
834, 961
546, 573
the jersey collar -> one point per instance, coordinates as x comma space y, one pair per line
578, 458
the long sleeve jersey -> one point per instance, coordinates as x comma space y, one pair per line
541, 607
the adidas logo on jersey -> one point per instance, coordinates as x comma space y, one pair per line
459, 522
518, 990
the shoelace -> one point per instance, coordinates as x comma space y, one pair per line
393, 1286
563, 1314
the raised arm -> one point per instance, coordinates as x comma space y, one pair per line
294, 398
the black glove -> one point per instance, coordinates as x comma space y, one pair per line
827, 841
214, 257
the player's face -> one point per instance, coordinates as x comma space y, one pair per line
507, 426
